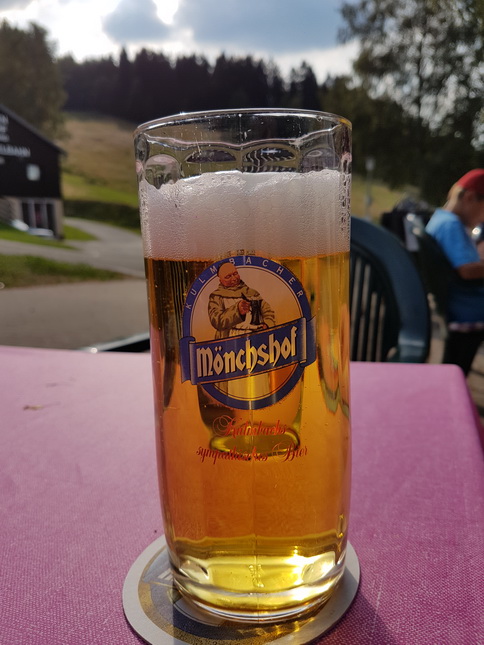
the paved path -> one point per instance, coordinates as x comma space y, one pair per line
69, 316
115, 248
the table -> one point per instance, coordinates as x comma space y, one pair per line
79, 500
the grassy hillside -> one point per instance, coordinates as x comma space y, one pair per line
383, 198
99, 161
99, 167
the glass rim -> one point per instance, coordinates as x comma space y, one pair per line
186, 117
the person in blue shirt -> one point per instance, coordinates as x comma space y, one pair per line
450, 226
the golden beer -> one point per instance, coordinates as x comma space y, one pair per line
252, 414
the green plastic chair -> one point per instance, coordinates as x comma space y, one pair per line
390, 316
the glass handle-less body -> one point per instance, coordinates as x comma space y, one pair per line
245, 221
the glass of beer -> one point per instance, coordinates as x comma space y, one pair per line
245, 224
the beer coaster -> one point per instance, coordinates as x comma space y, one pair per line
161, 616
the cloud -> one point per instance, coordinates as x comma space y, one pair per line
135, 21
278, 26
6, 5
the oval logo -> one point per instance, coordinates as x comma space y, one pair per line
248, 333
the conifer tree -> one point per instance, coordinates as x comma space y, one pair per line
30, 82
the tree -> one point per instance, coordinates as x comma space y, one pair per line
428, 53
89, 86
239, 83
428, 56
122, 86
192, 76
275, 84
304, 90
30, 82
381, 130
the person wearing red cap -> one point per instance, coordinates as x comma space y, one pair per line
450, 226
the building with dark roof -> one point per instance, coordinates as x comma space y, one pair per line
30, 188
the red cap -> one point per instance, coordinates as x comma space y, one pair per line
473, 180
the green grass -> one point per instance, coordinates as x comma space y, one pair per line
29, 271
75, 234
383, 198
76, 187
116, 214
99, 184
12, 235
70, 233
99, 169
99, 164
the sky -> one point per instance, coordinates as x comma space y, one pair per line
286, 32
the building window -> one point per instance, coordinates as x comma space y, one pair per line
33, 172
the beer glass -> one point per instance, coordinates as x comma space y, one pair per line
245, 225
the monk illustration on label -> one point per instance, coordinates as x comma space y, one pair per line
234, 308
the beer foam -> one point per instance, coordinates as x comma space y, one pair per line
272, 214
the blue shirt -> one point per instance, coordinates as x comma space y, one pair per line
466, 303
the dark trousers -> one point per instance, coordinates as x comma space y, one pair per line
461, 348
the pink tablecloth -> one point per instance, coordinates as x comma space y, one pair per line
79, 500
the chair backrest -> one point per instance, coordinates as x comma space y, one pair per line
390, 319
436, 271
438, 274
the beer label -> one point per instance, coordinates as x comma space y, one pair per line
248, 333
